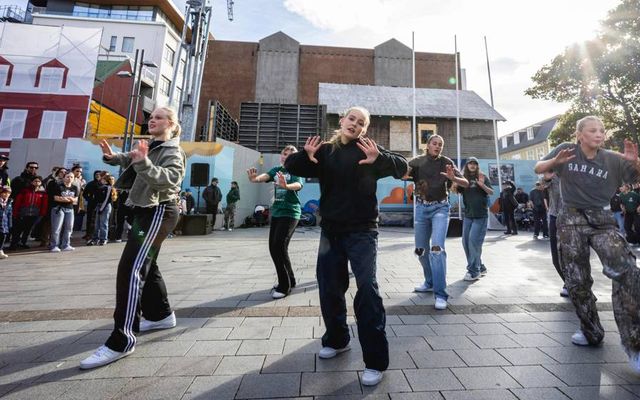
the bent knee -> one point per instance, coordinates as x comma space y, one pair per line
419, 251
435, 250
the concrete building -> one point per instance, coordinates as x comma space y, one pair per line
529, 143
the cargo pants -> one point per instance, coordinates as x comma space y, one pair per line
579, 230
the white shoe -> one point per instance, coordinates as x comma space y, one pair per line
371, 377
564, 292
579, 339
166, 323
278, 295
330, 352
2, 255
55, 250
634, 362
423, 288
469, 277
69, 248
103, 356
441, 304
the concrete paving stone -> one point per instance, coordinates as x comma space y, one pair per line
163, 349
43, 326
292, 332
416, 396
573, 354
130, 367
192, 334
239, 365
450, 342
269, 346
368, 396
98, 389
155, 388
330, 384
224, 322
262, 321
497, 394
493, 341
161, 335
610, 354
609, 326
526, 356
347, 361
635, 389
488, 329
517, 317
452, 330
557, 316
96, 337
437, 359
624, 371
191, 322
534, 340
584, 374
407, 343
413, 330
484, 318
74, 351
302, 346
392, 382
451, 319
560, 326
304, 321
213, 387
533, 376
251, 332
45, 390
416, 319
539, 394
12, 355
24, 373
598, 393
214, 348
289, 363
526, 327
432, 379
6, 388
481, 357
189, 366
394, 320
484, 378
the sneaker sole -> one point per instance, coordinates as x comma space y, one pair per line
157, 328
91, 366
423, 291
338, 351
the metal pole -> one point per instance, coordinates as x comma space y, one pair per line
455, 40
414, 135
125, 146
495, 124
138, 88
200, 70
176, 62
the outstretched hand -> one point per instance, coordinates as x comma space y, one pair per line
564, 155
311, 146
630, 151
370, 150
282, 180
450, 172
106, 149
140, 152
252, 173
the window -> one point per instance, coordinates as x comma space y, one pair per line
169, 54
4, 74
127, 44
12, 123
165, 84
530, 155
51, 79
52, 125
181, 66
504, 142
113, 43
516, 138
530, 133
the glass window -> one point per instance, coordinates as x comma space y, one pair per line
51, 79
516, 138
504, 142
132, 12
145, 13
119, 12
530, 133
52, 124
181, 66
127, 44
12, 123
113, 43
169, 54
165, 84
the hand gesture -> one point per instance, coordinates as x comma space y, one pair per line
281, 179
252, 173
630, 151
481, 178
106, 149
370, 150
311, 146
449, 172
564, 155
140, 152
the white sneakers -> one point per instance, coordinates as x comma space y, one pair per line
634, 362
2, 255
166, 323
278, 295
69, 248
423, 288
103, 356
55, 250
371, 377
441, 304
469, 277
330, 352
579, 339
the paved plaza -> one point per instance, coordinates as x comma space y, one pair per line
506, 336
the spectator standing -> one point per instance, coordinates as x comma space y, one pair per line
629, 202
616, 209
555, 205
4, 171
212, 196
190, 201
89, 196
29, 206
24, 179
540, 206
103, 197
230, 211
521, 196
5, 217
508, 205
65, 196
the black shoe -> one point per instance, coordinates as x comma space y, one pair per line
91, 243
514, 233
507, 232
102, 242
23, 246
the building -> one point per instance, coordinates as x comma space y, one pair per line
530, 143
46, 80
154, 26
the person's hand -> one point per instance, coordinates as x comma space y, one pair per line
252, 173
564, 155
449, 172
481, 178
140, 151
630, 151
370, 150
311, 146
282, 180
106, 149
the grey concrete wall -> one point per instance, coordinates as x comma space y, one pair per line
277, 70
392, 64
46, 152
476, 138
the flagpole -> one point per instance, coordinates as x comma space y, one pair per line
495, 124
455, 41
414, 136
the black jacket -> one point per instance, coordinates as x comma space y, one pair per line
20, 182
212, 195
348, 201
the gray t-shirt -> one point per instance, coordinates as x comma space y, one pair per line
590, 183
555, 199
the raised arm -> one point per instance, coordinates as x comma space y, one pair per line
252, 174
305, 163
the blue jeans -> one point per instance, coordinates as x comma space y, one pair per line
101, 228
473, 233
430, 225
360, 250
61, 218
620, 220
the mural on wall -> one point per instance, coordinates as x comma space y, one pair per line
506, 171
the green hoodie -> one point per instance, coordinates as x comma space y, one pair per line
233, 196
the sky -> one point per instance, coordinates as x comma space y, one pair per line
522, 36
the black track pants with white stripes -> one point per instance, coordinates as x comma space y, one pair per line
140, 289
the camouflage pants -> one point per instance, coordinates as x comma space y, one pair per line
578, 230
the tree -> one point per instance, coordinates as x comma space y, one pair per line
600, 76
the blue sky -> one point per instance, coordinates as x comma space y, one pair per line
522, 36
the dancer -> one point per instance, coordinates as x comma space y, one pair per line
589, 175
285, 214
476, 216
433, 174
555, 204
153, 175
64, 197
348, 167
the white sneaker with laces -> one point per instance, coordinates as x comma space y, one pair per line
103, 356
278, 295
579, 339
634, 362
469, 277
423, 288
2, 255
166, 323
371, 377
441, 304
69, 248
330, 352
55, 250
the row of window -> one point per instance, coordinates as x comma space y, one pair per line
137, 13
50, 78
127, 44
13, 122
516, 137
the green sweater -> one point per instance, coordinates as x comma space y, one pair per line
233, 196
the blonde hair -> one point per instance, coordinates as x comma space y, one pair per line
335, 139
172, 115
434, 136
583, 121
290, 147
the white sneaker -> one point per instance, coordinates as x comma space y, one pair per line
441, 304
371, 377
423, 288
469, 277
330, 352
69, 248
278, 295
2, 255
564, 292
166, 323
55, 250
579, 339
634, 362
103, 356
